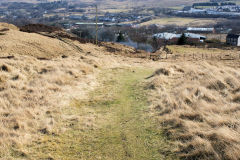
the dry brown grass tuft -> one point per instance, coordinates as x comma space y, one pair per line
198, 107
162, 71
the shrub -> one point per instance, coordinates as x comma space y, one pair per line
182, 40
120, 37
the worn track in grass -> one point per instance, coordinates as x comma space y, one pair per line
121, 128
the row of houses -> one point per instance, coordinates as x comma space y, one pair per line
228, 8
212, 30
213, 1
124, 17
221, 12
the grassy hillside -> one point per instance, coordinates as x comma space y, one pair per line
62, 99
196, 101
43, 80
34, 71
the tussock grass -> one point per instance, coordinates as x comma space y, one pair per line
199, 109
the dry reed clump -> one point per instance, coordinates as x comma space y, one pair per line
198, 106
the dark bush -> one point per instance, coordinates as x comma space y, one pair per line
182, 40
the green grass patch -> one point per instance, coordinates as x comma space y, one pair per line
123, 130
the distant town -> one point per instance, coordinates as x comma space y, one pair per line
212, 9
81, 19
66, 13
63, 13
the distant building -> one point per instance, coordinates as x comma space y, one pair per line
166, 36
200, 30
89, 23
233, 39
172, 38
195, 37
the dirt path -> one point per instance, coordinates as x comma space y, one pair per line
117, 126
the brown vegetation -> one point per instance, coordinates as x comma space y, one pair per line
53, 32
197, 104
38, 77
35, 28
